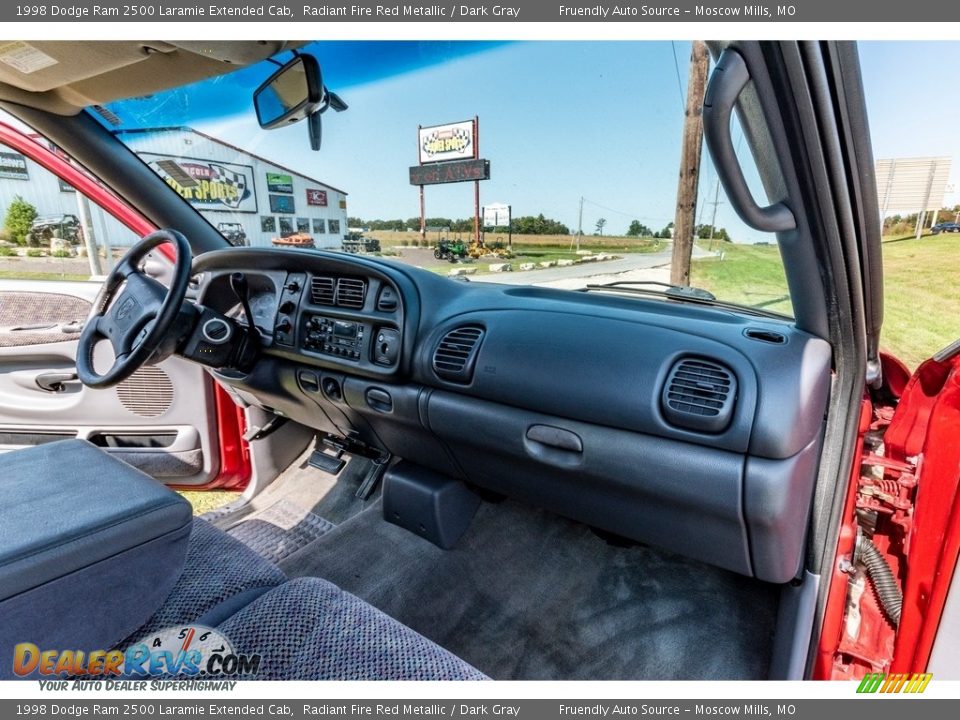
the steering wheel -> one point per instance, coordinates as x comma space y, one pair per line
138, 320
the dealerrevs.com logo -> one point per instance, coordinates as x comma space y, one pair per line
894, 683
192, 651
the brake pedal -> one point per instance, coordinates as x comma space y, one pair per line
328, 463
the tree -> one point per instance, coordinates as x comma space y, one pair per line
355, 222
638, 229
539, 225
600, 223
705, 232
20, 215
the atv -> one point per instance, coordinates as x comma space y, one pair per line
450, 250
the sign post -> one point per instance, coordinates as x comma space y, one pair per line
500, 215
476, 183
446, 154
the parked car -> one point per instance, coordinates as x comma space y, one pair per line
467, 480
44, 229
234, 233
945, 227
354, 242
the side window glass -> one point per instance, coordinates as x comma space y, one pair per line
49, 230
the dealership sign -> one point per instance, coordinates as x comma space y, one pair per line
13, 166
461, 171
440, 143
277, 182
317, 198
206, 184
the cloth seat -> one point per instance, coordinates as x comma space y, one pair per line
309, 629
220, 576
303, 629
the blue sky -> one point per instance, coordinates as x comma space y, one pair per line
557, 120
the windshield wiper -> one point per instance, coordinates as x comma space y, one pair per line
678, 291
653, 288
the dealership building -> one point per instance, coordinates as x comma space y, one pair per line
226, 184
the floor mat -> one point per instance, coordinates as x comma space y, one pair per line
332, 497
529, 595
280, 530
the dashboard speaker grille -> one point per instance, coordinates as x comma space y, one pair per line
699, 395
456, 354
351, 292
147, 393
322, 290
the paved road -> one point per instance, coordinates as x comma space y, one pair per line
634, 261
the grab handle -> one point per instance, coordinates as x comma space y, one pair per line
727, 81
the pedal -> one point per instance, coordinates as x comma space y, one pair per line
259, 433
328, 463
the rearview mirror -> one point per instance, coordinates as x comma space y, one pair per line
293, 93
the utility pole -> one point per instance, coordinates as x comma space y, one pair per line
713, 219
580, 224
683, 224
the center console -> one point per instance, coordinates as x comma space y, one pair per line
344, 320
79, 530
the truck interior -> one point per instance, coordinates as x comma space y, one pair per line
444, 479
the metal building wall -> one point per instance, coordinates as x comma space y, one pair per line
186, 145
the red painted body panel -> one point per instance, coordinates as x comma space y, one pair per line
927, 423
918, 504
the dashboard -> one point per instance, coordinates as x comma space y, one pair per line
693, 428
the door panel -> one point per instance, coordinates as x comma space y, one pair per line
161, 420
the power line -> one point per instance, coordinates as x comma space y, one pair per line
621, 212
676, 66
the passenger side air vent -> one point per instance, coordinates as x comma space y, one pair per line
456, 354
699, 395
322, 290
351, 292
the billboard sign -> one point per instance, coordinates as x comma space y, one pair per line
316, 198
13, 166
207, 184
282, 204
497, 215
280, 183
450, 172
454, 141
912, 184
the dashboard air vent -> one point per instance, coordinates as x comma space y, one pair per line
322, 290
456, 354
351, 292
699, 395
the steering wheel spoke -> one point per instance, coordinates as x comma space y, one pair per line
134, 311
125, 267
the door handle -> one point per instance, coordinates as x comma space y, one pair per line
56, 381
555, 437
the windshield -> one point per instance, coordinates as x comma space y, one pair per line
541, 163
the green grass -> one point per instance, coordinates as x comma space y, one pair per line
206, 500
748, 274
921, 296
921, 289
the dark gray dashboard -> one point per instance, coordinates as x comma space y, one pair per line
693, 428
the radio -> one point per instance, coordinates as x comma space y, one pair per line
342, 338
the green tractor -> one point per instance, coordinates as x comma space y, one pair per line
451, 250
